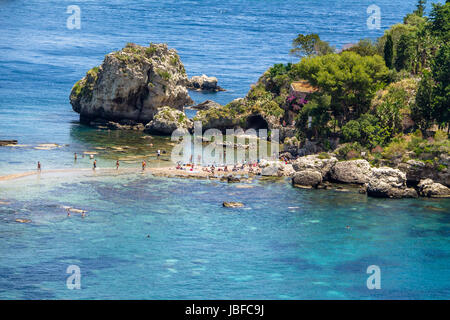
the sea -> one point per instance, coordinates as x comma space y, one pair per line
146, 237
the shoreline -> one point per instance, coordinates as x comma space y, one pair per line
169, 172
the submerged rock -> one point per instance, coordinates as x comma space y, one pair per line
23, 220
389, 183
204, 83
167, 120
233, 204
352, 171
429, 188
132, 84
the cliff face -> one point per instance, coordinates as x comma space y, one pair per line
132, 84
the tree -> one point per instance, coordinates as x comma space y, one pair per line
310, 44
420, 8
364, 47
440, 21
349, 79
422, 111
441, 93
406, 53
389, 51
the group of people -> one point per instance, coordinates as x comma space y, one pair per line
94, 164
251, 167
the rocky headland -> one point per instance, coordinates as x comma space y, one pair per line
132, 84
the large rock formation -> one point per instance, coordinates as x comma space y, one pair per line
429, 188
418, 170
168, 120
132, 84
389, 183
352, 171
322, 164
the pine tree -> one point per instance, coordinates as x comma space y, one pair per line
389, 51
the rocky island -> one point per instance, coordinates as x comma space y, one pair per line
132, 84
369, 115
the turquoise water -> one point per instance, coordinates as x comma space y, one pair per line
285, 244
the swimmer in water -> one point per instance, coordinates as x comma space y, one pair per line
68, 212
83, 214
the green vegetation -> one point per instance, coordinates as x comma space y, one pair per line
371, 96
310, 44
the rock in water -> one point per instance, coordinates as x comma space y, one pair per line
205, 83
307, 178
205, 105
132, 84
352, 171
389, 183
167, 120
23, 220
233, 204
429, 188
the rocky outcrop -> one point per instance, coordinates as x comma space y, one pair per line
205, 105
418, 170
167, 120
322, 164
307, 178
132, 84
389, 183
276, 169
352, 171
233, 204
204, 83
429, 188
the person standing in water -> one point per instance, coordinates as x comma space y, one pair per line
75, 156
39, 166
144, 164
158, 153
94, 165
117, 165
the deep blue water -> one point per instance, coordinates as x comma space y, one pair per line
287, 243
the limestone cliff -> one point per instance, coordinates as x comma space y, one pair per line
132, 84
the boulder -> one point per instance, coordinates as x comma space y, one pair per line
132, 84
204, 83
418, 170
316, 163
389, 183
352, 171
307, 178
167, 120
233, 204
270, 171
205, 105
429, 188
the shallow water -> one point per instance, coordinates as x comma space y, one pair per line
285, 244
